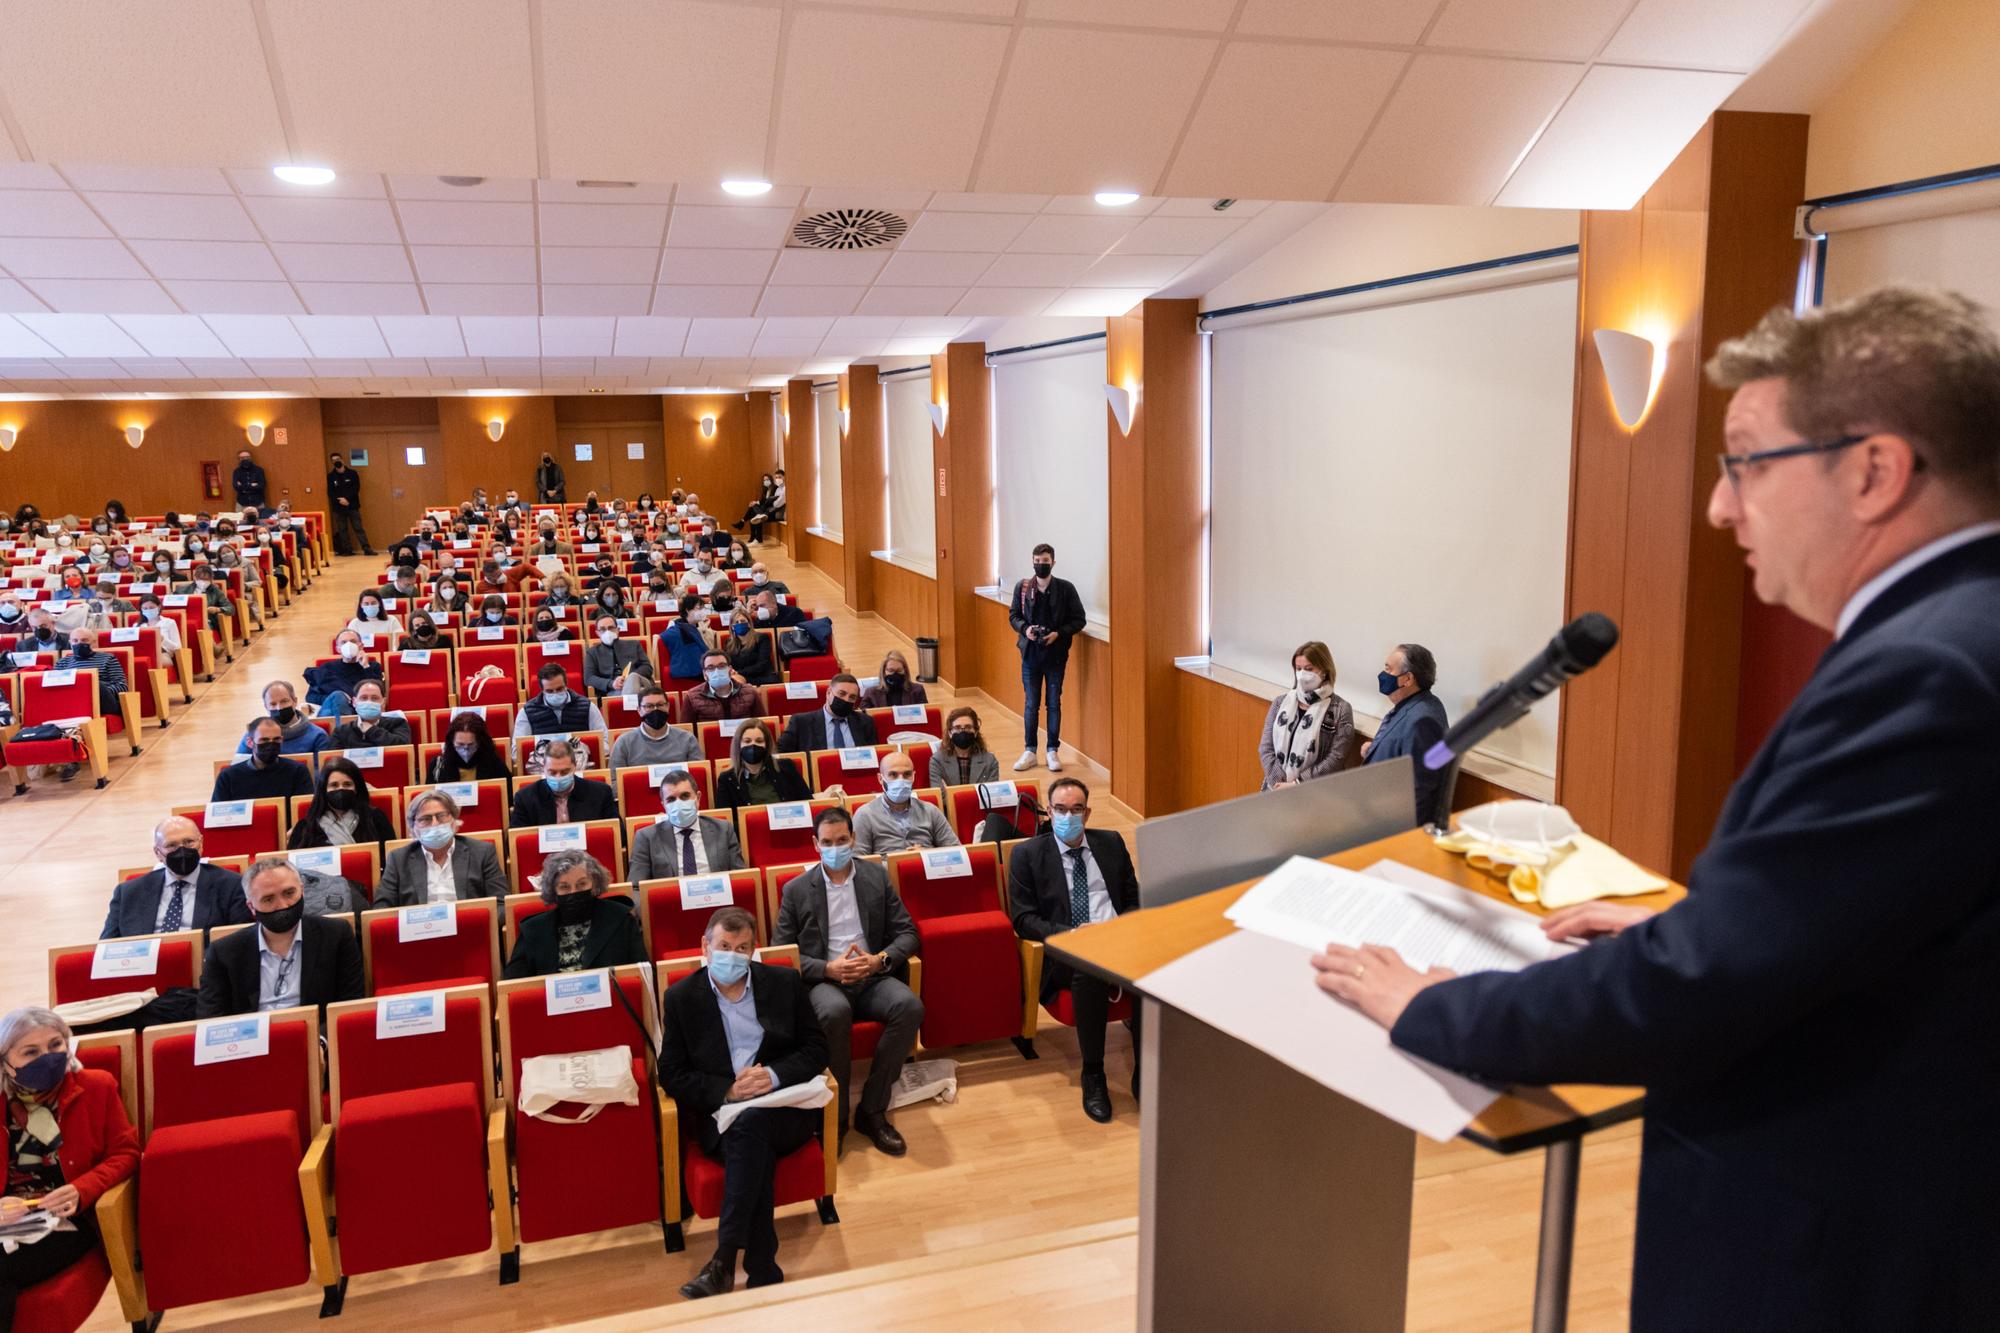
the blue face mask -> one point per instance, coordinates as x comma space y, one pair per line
836, 858
467, 752
367, 709
1386, 682
435, 836
681, 814
898, 789
561, 784
728, 967
45, 1071
1067, 827
718, 679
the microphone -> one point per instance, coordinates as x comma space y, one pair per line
1576, 648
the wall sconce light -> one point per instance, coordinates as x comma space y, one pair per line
7, 437
254, 432
1632, 370
495, 429
1122, 400
135, 436
938, 411
843, 421
708, 428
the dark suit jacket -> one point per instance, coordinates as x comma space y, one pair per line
589, 799
695, 1068
1412, 728
331, 969
807, 731
614, 941
885, 923
1038, 892
475, 869
1067, 614
1814, 1025
602, 666
729, 793
135, 904
243, 781
387, 730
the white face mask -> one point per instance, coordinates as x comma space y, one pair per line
350, 650
1309, 681
607, 637
760, 579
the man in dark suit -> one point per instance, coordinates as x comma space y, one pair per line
855, 941
841, 724
288, 958
563, 796
767, 612
1046, 613
1414, 723
717, 1048
1814, 1023
183, 894
1067, 877
686, 842
438, 862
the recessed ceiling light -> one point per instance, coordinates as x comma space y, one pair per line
297, 175
462, 182
1117, 198
747, 188
607, 185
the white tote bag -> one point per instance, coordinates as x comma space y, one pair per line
594, 1078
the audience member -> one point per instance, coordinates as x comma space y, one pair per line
755, 775
340, 814
83, 655
493, 613
855, 941
265, 774
550, 488
185, 893
1046, 614
546, 628
705, 578
1416, 721
229, 559
557, 592
563, 796
839, 725
683, 643
1058, 880
289, 958
893, 686
656, 740
330, 686
582, 930
371, 621
749, 653
608, 662
896, 820
423, 635
770, 613
203, 583
370, 725
152, 614
963, 758
687, 842
298, 734
761, 580
556, 710
469, 754
722, 694
1309, 730
441, 865
42, 635
759, 509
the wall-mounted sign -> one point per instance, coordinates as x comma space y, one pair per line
636, 449
583, 453
357, 458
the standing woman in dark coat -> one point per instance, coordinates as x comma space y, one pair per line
550, 487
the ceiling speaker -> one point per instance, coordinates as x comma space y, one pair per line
849, 229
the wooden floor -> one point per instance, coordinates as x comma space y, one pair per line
1011, 1211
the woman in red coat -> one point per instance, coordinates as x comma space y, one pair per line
67, 1141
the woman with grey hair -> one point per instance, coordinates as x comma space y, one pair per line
582, 929
68, 1141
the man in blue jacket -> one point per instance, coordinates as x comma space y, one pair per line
1414, 723
1816, 1025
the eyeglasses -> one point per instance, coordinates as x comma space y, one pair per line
1732, 465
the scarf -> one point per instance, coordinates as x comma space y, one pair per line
339, 828
1295, 732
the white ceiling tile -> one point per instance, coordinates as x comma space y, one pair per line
154, 367
1557, 29
910, 300
508, 365
482, 263
809, 300
949, 201
1106, 301
46, 213
225, 260
1453, 128
822, 199
1054, 234
340, 335
16, 298
28, 175
1325, 96
489, 190
148, 180
1179, 236
913, 346
422, 335
705, 300
464, 222
729, 228
285, 218
799, 326
1203, 15
802, 267
1034, 270
694, 194
596, 299
221, 367
645, 90
68, 258
715, 267
237, 298
578, 337
767, 345
932, 268
278, 367
864, 326
173, 335
1131, 91
1202, 208
1730, 34
1006, 300
973, 232
82, 335
397, 367
185, 217
1398, 24
105, 296
599, 263
1134, 270
650, 336
721, 337
1087, 203
415, 108
848, 350
481, 298
931, 327
1615, 135
361, 298
603, 190
17, 340
602, 224
344, 263
621, 365
843, 71
323, 366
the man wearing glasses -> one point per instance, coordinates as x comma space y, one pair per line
1815, 1023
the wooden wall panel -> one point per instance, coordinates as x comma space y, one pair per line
961, 381
828, 557
863, 483
767, 452
471, 459
71, 456
721, 468
906, 599
799, 425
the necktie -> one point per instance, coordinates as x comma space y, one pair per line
687, 851
176, 907
1079, 889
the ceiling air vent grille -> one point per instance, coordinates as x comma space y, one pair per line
849, 229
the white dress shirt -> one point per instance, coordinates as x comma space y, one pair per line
439, 885
843, 917
1909, 564
1100, 897
278, 978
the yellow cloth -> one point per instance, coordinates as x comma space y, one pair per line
1575, 870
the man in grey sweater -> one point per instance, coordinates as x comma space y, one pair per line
655, 740
896, 820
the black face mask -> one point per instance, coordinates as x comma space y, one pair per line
44, 633
1042, 570
545, 626
284, 717
839, 707
754, 755
267, 751
343, 799
282, 920
573, 909
656, 720
962, 740
894, 680
184, 861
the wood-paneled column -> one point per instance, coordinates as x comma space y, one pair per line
964, 494
766, 448
1155, 530
801, 481
864, 478
1648, 739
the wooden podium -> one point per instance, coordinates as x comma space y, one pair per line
1269, 1200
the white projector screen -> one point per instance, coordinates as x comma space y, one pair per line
826, 413
1955, 252
1051, 472
1395, 475
912, 515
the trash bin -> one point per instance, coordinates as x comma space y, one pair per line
927, 660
